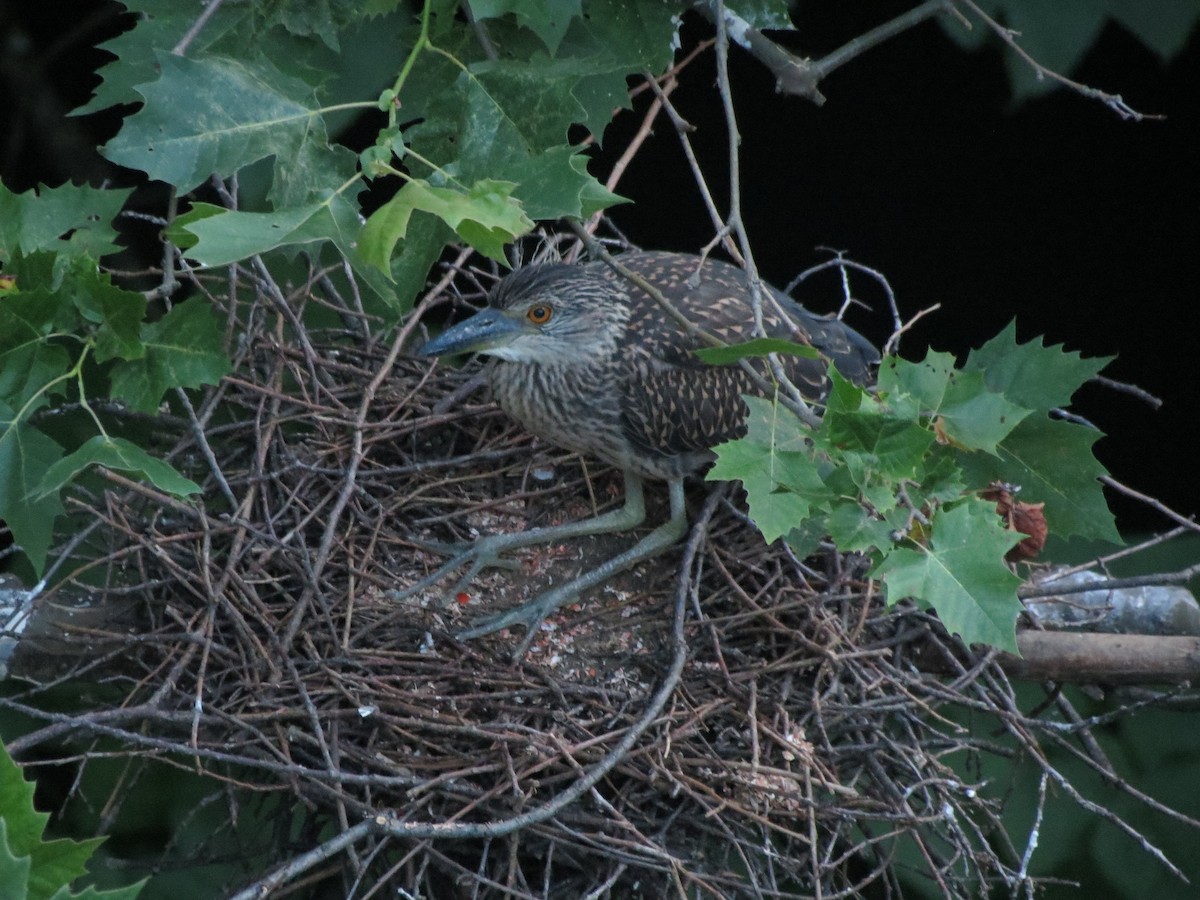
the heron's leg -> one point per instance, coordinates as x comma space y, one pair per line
485, 551
531, 614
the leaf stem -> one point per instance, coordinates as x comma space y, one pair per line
421, 43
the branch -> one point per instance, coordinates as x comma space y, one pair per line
798, 76
1052, 587
1113, 101
1105, 658
305, 861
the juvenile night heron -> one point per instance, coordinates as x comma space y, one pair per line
587, 360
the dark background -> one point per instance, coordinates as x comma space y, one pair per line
1084, 227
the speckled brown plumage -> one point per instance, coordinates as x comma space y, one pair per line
624, 385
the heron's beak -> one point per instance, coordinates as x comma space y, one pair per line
488, 329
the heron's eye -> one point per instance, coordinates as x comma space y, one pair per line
539, 314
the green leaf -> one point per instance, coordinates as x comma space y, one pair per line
635, 35
313, 207
116, 313
1032, 375
1053, 463
179, 231
593, 196
805, 539
775, 466
324, 174
1059, 35
962, 575
376, 161
55, 864
487, 217
1162, 25
613, 40
854, 529
321, 19
25, 455
774, 425
116, 453
941, 480
91, 893
544, 89
894, 446
420, 250
759, 467
159, 26
183, 349
51, 290
24, 824
35, 868
70, 219
549, 19
764, 14
28, 360
228, 236
971, 416
720, 356
14, 869
873, 439
486, 143
959, 403
27, 368
216, 115
31, 868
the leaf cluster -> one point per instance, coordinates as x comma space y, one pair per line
32, 868
472, 145
472, 142
895, 472
70, 337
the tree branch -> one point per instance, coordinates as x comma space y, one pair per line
799, 76
1105, 658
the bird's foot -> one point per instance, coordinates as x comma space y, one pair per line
529, 615
475, 556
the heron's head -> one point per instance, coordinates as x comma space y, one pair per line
552, 314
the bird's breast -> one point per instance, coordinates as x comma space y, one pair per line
571, 406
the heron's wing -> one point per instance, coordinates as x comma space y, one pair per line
716, 297
674, 403
684, 410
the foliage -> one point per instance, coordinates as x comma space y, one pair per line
472, 142
472, 145
68, 337
32, 868
476, 130
896, 473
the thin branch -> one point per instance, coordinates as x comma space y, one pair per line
1131, 389
210, 9
1112, 101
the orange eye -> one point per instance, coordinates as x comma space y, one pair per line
540, 314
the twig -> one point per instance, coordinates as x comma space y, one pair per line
190, 35
300, 864
1046, 587
1132, 389
584, 784
1112, 101
1157, 505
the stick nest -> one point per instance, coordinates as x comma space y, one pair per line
791, 744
